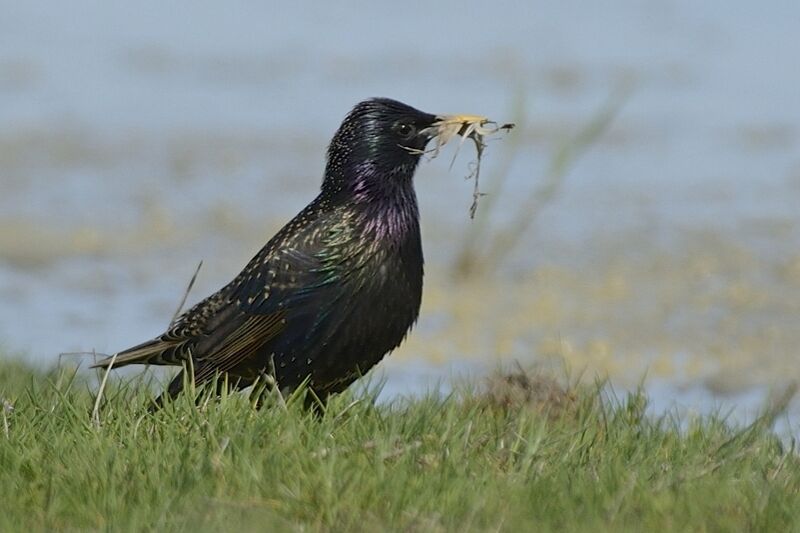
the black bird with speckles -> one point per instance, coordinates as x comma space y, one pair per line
335, 289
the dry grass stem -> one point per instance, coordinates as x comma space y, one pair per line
186, 294
473, 127
98, 399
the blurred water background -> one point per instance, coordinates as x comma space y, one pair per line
138, 138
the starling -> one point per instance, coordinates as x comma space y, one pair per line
335, 290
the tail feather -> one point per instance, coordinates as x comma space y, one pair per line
151, 352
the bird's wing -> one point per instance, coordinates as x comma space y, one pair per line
285, 293
277, 301
223, 353
177, 344
218, 346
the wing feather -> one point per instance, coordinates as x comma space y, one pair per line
243, 343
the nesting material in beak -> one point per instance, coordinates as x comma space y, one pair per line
474, 127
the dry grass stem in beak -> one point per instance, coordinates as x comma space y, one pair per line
472, 127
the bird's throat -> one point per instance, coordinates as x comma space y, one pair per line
387, 207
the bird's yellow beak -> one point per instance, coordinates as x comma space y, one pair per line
462, 119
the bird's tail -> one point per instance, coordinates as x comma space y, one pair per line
152, 352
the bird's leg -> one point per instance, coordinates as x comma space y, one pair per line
315, 401
185, 378
265, 384
173, 390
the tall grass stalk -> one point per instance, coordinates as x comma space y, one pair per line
484, 247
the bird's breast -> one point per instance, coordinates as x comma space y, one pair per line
380, 268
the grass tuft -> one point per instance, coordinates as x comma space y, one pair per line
519, 451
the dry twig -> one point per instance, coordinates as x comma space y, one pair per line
473, 127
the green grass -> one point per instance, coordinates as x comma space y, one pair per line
524, 455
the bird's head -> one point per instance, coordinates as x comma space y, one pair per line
378, 146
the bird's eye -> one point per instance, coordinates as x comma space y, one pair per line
405, 129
